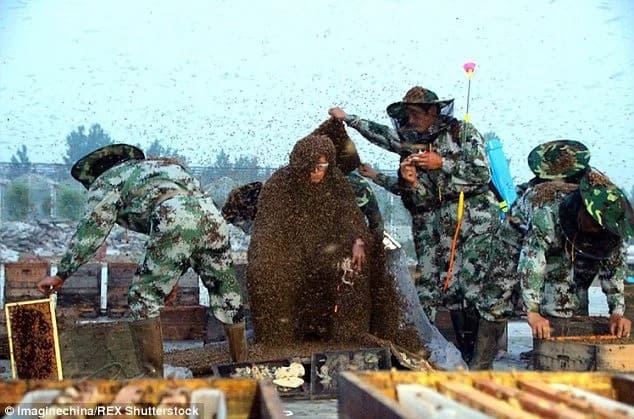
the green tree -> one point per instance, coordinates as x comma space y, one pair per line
222, 160
18, 200
243, 169
70, 202
156, 149
20, 163
78, 143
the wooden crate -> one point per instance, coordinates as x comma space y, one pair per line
584, 353
500, 394
28, 272
582, 343
21, 279
265, 370
4, 337
98, 350
80, 295
184, 322
245, 398
326, 367
120, 276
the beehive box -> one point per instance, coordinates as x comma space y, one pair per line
582, 343
21, 280
98, 349
494, 394
184, 322
120, 276
326, 366
244, 398
266, 370
81, 293
584, 353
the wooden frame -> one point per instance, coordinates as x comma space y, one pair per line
43, 341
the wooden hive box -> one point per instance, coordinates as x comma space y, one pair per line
21, 279
98, 349
120, 276
4, 337
583, 343
584, 353
184, 322
81, 293
498, 394
245, 398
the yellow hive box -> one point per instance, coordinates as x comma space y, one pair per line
243, 398
485, 394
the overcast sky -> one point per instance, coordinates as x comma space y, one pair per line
253, 77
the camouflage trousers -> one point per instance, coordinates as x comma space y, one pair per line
187, 232
425, 277
485, 264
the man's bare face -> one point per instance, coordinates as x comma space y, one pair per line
318, 172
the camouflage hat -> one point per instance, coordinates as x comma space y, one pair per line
607, 204
559, 159
92, 165
416, 96
346, 152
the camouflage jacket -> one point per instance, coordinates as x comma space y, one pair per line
547, 261
126, 194
367, 203
465, 168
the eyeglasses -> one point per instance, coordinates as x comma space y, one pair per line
321, 166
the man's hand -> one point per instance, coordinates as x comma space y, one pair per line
358, 255
429, 160
368, 171
170, 298
408, 172
50, 284
337, 113
539, 325
620, 326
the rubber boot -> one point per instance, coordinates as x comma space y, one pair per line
486, 346
465, 326
148, 338
237, 338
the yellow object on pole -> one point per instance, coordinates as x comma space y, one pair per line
454, 242
460, 206
469, 67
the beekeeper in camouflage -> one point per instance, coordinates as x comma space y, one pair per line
449, 158
159, 198
563, 161
590, 219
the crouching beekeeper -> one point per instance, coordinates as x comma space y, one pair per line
159, 198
